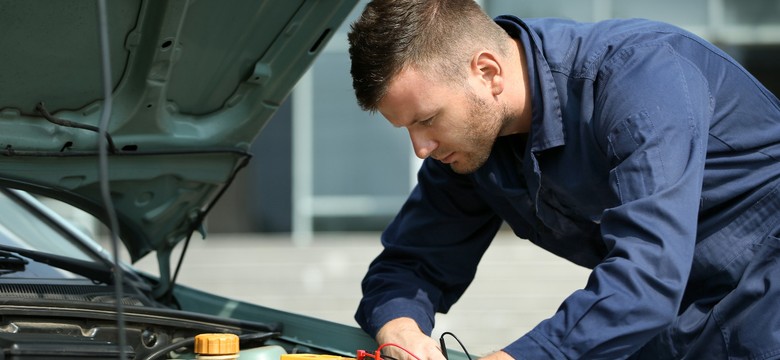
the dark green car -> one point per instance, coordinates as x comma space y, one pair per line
139, 112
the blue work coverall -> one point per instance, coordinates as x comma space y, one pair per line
653, 160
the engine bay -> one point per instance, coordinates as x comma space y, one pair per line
59, 330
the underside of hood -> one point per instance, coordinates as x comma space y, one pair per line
194, 82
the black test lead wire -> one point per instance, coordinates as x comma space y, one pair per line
444, 348
105, 192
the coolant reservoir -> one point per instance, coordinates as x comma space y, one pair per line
268, 352
216, 346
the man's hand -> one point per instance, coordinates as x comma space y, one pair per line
498, 355
405, 332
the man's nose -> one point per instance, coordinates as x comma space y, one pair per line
422, 143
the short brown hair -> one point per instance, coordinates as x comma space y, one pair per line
438, 36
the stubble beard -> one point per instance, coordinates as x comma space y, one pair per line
480, 134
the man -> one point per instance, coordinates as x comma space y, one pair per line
630, 147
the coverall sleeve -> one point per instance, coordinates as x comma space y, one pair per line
431, 251
652, 112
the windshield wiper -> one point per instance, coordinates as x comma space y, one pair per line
11, 263
92, 270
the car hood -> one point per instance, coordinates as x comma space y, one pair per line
193, 84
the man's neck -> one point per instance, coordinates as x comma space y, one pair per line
518, 103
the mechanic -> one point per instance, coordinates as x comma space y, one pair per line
630, 147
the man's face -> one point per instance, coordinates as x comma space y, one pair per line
451, 123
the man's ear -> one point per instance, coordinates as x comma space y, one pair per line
487, 71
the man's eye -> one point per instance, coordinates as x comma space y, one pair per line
426, 122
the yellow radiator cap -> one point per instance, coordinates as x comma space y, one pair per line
216, 344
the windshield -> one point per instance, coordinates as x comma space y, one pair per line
21, 226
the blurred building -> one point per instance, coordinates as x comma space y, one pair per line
323, 164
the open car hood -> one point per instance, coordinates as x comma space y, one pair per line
194, 82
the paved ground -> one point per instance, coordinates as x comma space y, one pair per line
517, 284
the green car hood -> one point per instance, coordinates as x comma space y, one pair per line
194, 82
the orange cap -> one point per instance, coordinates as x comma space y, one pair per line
216, 344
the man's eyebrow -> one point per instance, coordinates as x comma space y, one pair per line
415, 120
423, 119
407, 124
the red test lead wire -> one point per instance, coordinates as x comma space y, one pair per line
377, 355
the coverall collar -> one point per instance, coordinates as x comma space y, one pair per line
547, 123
